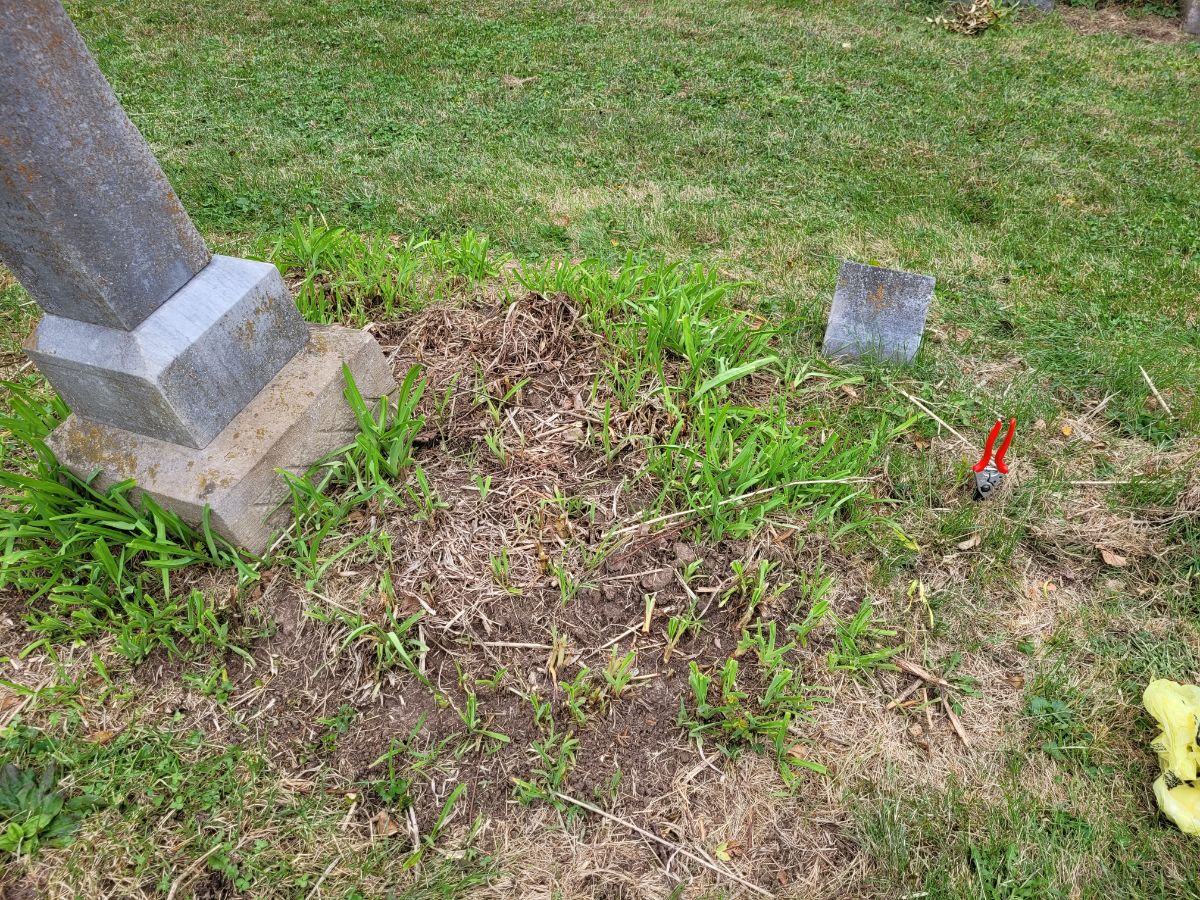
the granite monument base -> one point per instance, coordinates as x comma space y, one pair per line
188, 368
299, 417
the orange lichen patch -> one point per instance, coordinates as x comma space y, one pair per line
101, 447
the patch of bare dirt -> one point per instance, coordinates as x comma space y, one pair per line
215, 886
14, 636
20, 889
555, 613
1115, 18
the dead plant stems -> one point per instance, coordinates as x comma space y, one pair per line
711, 866
741, 498
1157, 396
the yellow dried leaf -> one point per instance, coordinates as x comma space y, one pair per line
1067, 430
972, 541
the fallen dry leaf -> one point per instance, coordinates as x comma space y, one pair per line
1112, 559
1067, 430
849, 391
972, 541
1038, 590
905, 665
512, 81
100, 737
783, 535
384, 825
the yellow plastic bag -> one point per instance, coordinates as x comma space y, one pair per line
1180, 804
1176, 708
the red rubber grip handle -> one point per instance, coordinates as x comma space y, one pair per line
987, 449
1012, 429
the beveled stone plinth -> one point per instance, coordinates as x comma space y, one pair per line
299, 417
190, 366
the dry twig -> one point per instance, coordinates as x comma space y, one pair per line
921, 672
957, 725
929, 412
1157, 396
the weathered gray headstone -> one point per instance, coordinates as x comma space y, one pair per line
1191, 16
193, 374
877, 313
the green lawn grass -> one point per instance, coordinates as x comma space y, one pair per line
1050, 181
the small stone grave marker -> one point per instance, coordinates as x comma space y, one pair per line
877, 313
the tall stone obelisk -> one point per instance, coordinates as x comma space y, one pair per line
193, 374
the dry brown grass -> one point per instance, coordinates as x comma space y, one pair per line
1114, 18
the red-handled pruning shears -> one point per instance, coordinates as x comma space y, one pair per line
990, 472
